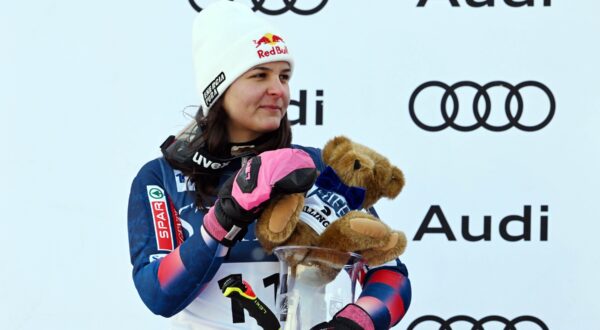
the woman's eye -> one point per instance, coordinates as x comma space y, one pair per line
284, 77
259, 75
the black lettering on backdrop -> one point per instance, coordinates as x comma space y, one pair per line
435, 210
303, 109
520, 226
487, 229
454, 3
491, 3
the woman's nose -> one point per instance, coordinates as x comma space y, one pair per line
276, 88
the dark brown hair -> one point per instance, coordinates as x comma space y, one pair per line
216, 141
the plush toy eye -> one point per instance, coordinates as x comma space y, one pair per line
356, 164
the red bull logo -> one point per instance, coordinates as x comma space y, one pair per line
270, 44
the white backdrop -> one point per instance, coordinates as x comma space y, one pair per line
88, 91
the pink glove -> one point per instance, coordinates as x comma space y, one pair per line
244, 195
351, 317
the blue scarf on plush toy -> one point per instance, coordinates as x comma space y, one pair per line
329, 180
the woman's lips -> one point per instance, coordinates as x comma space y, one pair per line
271, 107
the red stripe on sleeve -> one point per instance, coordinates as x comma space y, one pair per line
396, 308
170, 267
177, 223
387, 277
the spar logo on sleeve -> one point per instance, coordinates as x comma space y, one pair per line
160, 217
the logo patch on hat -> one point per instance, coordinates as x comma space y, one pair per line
270, 44
210, 93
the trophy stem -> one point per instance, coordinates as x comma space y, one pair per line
315, 283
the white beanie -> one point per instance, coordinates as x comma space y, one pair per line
228, 40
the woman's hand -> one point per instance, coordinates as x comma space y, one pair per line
351, 317
243, 197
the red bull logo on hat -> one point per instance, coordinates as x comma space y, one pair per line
270, 44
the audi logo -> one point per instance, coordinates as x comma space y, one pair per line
477, 324
288, 5
482, 114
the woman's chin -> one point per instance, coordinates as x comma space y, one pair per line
271, 125
271, 128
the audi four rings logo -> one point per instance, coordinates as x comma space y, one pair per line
480, 113
477, 324
287, 5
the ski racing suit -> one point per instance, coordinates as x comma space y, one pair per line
177, 265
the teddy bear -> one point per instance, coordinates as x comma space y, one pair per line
329, 215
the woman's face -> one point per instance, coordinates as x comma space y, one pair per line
257, 101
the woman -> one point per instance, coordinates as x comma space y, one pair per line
190, 235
